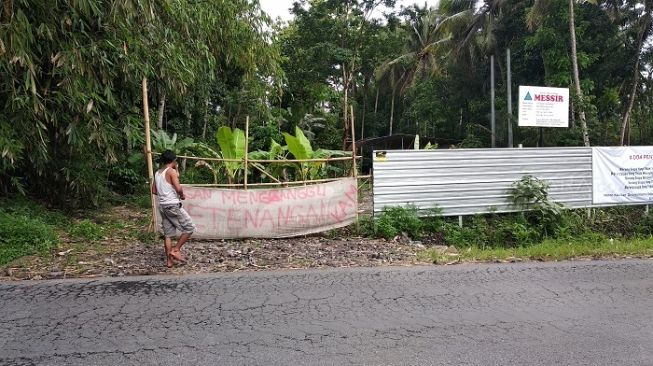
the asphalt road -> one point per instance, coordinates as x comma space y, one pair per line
572, 313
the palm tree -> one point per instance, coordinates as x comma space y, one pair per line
643, 29
428, 43
392, 77
535, 16
574, 62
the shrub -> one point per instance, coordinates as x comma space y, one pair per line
644, 225
474, 234
396, 220
513, 231
25, 207
125, 180
531, 194
21, 235
433, 221
87, 230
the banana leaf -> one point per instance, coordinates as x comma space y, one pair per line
232, 146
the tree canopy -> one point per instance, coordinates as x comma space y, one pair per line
70, 72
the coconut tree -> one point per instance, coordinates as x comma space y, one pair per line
642, 28
534, 18
428, 43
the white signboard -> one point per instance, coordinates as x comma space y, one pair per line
543, 107
622, 174
271, 213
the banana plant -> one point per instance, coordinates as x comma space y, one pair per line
300, 147
161, 142
232, 146
276, 152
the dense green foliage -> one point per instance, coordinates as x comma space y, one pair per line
71, 83
25, 228
509, 230
71, 120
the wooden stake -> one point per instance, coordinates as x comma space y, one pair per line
246, 148
353, 157
148, 152
353, 144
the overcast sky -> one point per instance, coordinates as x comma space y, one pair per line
280, 8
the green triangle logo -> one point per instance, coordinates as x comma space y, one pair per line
528, 96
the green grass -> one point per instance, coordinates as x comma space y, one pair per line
87, 230
21, 235
550, 250
24, 207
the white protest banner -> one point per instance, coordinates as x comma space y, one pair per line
622, 174
271, 213
543, 107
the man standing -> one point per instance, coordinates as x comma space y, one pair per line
173, 217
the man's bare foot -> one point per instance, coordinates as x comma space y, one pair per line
169, 263
176, 255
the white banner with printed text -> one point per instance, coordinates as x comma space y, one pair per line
622, 174
271, 213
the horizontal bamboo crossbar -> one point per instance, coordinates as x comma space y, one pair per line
225, 185
343, 158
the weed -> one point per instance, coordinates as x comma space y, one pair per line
147, 237
87, 230
21, 235
24, 207
531, 194
433, 221
587, 245
396, 220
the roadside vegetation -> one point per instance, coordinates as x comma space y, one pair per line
71, 117
544, 230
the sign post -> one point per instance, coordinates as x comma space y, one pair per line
543, 107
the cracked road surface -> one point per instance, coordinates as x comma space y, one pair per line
571, 313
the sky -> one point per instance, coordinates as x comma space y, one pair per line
280, 8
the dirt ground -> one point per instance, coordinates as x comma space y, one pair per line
126, 250
124, 258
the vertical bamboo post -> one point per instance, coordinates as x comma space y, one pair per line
148, 151
353, 146
353, 158
246, 149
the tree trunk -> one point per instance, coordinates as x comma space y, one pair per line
206, 119
633, 91
574, 61
162, 108
365, 93
376, 102
392, 111
363, 116
189, 118
345, 85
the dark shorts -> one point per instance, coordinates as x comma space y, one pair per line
173, 218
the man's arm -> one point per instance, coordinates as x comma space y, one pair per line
154, 188
174, 180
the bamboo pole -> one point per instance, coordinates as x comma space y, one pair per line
246, 150
266, 173
353, 144
325, 160
148, 152
353, 158
227, 185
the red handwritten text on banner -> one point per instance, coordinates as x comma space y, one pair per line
271, 213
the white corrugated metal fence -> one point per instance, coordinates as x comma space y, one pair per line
470, 181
